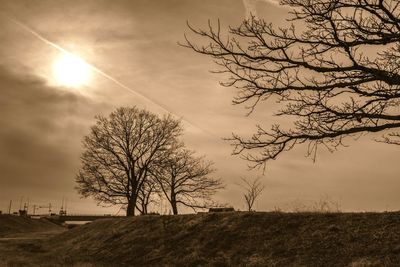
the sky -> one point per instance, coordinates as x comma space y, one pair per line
132, 46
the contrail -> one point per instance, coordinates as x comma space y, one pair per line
105, 75
94, 68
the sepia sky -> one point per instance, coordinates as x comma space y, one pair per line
132, 48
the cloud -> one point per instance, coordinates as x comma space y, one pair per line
40, 132
251, 8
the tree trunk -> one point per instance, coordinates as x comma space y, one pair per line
130, 210
144, 207
173, 204
132, 200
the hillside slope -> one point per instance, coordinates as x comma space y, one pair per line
237, 239
10, 225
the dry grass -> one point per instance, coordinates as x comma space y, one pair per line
230, 239
21, 240
239, 239
11, 225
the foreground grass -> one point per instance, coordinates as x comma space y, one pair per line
229, 239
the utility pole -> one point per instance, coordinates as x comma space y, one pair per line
62, 207
63, 210
20, 202
26, 207
9, 207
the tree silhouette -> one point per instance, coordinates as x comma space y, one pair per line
119, 153
338, 76
185, 180
253, 189
147, 191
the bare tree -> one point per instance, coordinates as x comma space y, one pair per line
185, 180
253, 190
118, 153
146, 195
338, 76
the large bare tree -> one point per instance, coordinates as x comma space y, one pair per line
337, 76
118, 153
186, 180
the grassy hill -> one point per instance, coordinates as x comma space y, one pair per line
11, 225
236, 239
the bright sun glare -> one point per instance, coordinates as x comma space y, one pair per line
71, 70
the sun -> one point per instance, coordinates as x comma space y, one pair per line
71, 71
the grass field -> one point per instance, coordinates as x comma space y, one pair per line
218, 239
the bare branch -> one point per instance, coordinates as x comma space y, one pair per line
185, 179
253, 189
337, 77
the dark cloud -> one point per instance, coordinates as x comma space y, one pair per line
40, 132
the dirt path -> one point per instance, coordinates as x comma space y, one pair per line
33, 235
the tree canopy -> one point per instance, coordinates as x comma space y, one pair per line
187, 180
119, 152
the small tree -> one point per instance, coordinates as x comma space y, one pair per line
146, 195
253, 190
185, 180
119, 153
337, 76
